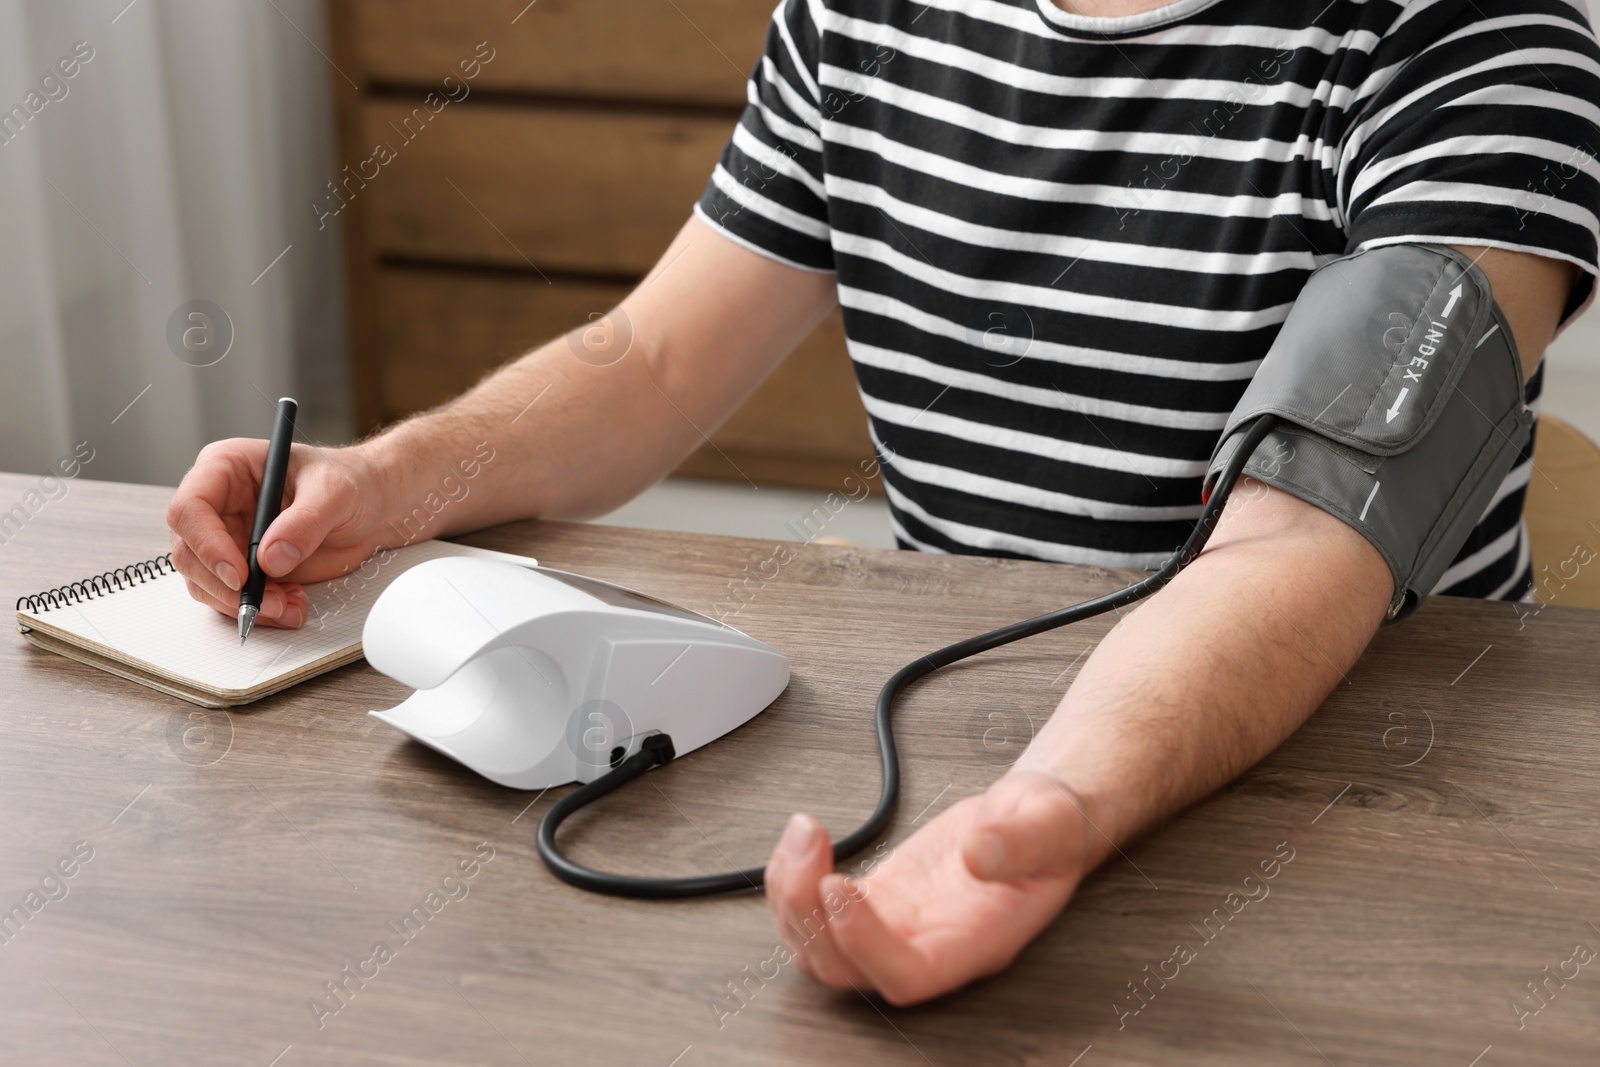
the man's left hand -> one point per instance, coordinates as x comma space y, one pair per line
954, 902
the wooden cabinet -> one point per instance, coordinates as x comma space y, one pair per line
542, 187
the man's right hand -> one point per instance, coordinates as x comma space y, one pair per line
330, 523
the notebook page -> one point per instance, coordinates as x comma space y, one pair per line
158, 626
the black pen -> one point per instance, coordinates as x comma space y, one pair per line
267, 507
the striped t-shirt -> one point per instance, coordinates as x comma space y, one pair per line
1064, 243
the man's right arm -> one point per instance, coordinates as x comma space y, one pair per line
577, 428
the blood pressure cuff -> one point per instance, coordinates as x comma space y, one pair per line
1399, 394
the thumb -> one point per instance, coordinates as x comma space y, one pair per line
300, 528
1027, 824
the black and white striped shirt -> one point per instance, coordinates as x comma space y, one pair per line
1064, 243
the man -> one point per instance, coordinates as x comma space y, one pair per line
1063, 237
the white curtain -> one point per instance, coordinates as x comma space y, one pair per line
178, 162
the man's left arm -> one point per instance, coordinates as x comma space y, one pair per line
1162, 713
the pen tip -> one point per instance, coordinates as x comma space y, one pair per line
247, 618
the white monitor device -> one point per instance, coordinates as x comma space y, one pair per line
534, 678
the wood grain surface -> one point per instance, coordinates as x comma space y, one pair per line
690, 51
555, 189
1439, 810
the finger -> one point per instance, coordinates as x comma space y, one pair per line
290, 602
199, 593
1027, 824
277, 607
789, 869
186, 563
290, 610
315, 508
296, 607
887, 960
274, 596
195, 515
282, 604
799, 863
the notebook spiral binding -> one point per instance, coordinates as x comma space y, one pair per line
100, 585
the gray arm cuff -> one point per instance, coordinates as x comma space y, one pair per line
1400, 394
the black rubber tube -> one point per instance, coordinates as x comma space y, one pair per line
657, 749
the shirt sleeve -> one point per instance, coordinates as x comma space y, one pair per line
766, 192
1478, 126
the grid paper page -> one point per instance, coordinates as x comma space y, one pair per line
158, 626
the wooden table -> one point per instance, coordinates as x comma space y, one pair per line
1440, 810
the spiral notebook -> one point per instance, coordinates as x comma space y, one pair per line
139, 622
